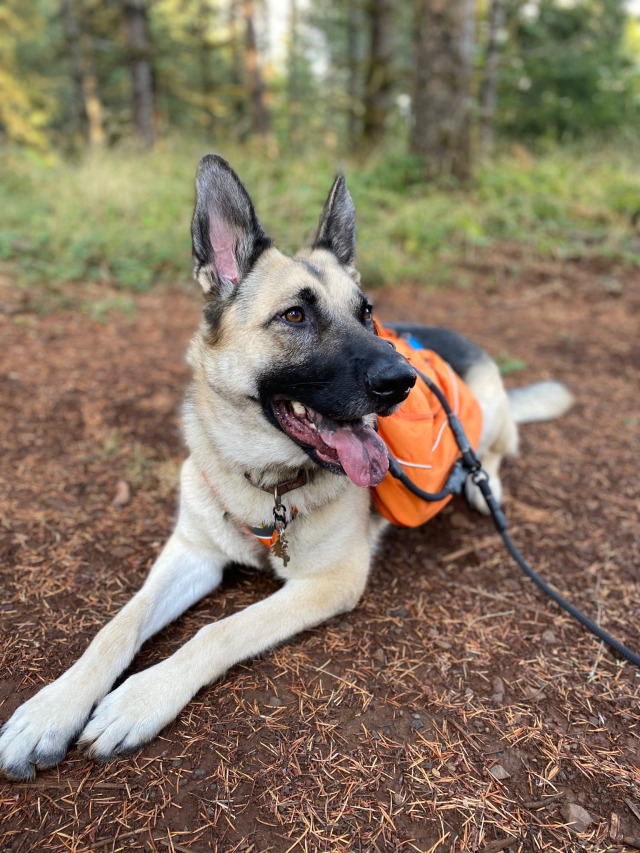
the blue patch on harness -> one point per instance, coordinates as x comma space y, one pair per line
414, 343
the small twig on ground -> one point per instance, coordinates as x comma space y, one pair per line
546, 801
632, 807
492, 539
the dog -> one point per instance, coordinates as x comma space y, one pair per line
289, 377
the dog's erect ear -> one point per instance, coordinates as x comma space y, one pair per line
227, 238
337, 227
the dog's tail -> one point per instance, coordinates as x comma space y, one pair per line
541, 401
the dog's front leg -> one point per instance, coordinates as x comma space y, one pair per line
148, 700
41, 731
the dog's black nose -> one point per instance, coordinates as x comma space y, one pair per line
389, 380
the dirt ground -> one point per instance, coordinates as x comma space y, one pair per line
455, 709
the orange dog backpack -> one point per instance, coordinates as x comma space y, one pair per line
419, 437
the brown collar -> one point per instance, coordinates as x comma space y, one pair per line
286, 486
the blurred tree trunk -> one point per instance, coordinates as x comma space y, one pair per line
353, 22
87, 104
489, 86
139, 49
293, 81
203, 16
235, 70
442, 103
260, 119
379, 73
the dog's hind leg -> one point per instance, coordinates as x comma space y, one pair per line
502, 412
41, 731
499, 437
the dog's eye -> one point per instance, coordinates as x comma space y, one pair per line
367, 313
294, 315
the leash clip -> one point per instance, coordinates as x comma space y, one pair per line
479, 476
280, 547
279, 512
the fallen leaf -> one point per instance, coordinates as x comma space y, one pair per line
123, 494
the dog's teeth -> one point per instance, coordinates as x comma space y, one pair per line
298, 408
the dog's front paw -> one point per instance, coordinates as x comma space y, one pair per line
131, 716
41, 731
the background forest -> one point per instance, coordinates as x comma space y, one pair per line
457, 122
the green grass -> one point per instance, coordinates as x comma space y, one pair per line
508, 364
123, 217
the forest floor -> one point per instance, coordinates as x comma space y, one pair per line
456, 709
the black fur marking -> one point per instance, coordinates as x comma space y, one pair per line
305, 296
214, 310
39, 758
213, 313
43, 760
120, 751
337, 227
459, 352
310, 268
26, 770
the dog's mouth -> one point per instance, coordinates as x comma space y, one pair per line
350, 447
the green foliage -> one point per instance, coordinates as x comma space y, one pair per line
118, 218
508, 364
567, 71
26, 97
123, 218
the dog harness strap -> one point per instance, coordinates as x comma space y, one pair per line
419, 437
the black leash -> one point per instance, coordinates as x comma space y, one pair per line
469, 464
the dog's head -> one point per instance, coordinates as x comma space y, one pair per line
293, 338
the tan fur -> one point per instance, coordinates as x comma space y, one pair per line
330, 541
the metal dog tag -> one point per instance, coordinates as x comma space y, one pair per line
279, 548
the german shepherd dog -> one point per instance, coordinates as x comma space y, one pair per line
289, 376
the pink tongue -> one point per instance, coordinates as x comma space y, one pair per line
361, 451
